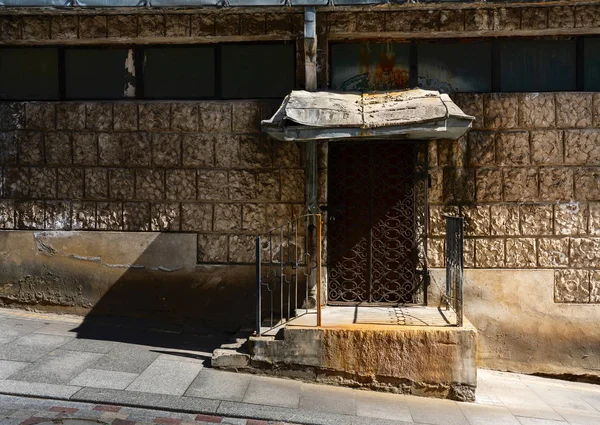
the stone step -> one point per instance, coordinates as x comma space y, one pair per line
234, 354
420, 360
229, 359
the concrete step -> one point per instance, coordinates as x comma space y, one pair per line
413, 351
419, 360
233, 355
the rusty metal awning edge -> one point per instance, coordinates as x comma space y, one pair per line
451, 128
413, 114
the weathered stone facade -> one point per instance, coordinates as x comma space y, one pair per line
199, 167
440, 21
526, 179
114, 169
174, 25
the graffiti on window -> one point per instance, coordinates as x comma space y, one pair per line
370, 66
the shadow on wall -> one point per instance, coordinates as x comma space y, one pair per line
120, 277
165, 284
164, 299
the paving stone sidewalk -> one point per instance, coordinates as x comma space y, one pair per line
142, 365
15, 410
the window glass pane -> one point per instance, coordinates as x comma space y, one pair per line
29, 73
591, 63
455, 67
370, 66
99, 73
179, 72
538, 65
257, 70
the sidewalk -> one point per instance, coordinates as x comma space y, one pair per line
17, 410
140, 365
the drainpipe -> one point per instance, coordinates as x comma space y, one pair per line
311, 177
310, 47
310, 66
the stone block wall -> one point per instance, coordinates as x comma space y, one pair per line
82, 26
199, 167
37, 25
429, 21
527, 181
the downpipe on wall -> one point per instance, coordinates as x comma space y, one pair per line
311, 175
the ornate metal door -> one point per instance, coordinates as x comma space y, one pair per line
377, 206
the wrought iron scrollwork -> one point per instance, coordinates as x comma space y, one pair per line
377, 228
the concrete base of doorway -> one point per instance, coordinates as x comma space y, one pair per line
418, 360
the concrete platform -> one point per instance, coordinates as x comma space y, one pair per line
407, 315
407, 349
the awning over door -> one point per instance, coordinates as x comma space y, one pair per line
409, 114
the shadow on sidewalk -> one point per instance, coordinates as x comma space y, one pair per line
160, 297
162, 337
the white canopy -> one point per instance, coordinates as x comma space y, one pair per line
408, 114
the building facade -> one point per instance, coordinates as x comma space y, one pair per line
134, 174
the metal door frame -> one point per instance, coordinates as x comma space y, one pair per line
420, 184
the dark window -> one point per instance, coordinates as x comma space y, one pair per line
455, 67
538, 65
29, 73
370, 66
99, 73
257, 70
591, 62
179, 72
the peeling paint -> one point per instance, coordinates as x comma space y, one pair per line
129, 90
45, 248
123, 266
165, 269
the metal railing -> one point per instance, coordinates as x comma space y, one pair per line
285, 258
454, 266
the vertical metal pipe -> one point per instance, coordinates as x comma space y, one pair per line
310, 83
296, 264
288, 284
319, 230
459, 295
281, 289
290, 226
272, 291
311, 175
371, 184
425, 236
307, 260
287, 263
310, 48
258, 288
448, 261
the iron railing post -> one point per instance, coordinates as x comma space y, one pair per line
282, 270
454, 266
318, 253
281, 289
460, 266
258, 288
449, 261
